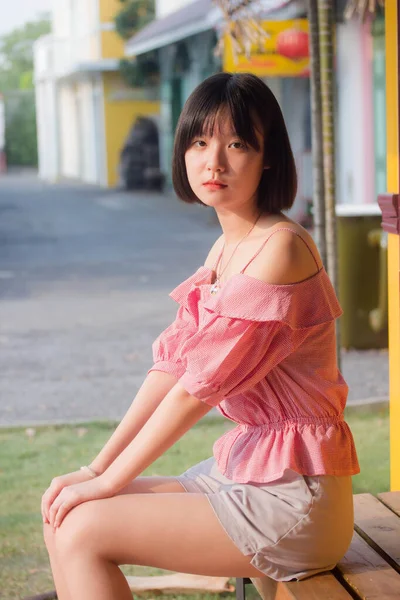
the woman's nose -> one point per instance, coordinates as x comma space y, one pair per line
215, 160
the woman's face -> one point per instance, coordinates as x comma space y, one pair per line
224, 158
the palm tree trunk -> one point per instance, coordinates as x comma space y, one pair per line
316, 127
325, 19
326, 33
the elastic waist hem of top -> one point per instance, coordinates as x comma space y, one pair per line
297, 421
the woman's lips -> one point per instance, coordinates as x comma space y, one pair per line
215, 186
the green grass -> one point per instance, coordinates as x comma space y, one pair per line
28, 465
371, 435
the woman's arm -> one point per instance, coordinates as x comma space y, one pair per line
152, 392
154, 389
177, 413
173, 417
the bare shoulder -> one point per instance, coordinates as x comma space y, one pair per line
214, 252
287, 257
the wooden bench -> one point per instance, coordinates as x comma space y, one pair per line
369, 570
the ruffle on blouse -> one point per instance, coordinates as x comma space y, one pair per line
182, 291
261, 453
299, 305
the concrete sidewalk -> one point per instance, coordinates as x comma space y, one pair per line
84, 280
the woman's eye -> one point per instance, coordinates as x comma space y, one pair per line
238, 145
198, 142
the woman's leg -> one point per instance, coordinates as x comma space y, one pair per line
140, 485
175, 531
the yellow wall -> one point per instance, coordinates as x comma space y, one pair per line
112, 45
119, 116
108, 9
392, 116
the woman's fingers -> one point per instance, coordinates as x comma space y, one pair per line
64, 502
45, 507
56, 487
47, 501
48, 498
54, 508
58, 512
53, 511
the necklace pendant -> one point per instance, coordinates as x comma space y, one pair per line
214, 288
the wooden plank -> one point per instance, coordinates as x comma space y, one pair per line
367, 573
379, 526
391, 500
266, 587
178, 583
323, 586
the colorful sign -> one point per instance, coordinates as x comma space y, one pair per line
284, 53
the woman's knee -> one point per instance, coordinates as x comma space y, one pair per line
78, 529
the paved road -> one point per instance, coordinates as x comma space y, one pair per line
84, 281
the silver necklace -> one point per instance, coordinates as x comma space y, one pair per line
216, 285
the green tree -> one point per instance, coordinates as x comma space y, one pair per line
144, 69
16, 54
16, 84
133, 16
21, 136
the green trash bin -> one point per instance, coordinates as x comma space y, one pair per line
362, 254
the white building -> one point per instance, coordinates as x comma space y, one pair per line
84, 108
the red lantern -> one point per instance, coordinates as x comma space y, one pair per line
293, 43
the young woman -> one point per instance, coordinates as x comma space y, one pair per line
254, 336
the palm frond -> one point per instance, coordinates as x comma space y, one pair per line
363, 9
240, 26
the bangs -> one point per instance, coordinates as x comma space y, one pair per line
206, 115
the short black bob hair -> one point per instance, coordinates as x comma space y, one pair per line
249, 101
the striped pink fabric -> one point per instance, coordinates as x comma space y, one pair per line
265, 356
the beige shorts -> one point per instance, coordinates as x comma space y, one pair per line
294, 527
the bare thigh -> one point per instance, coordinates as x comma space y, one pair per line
140, 485
152, 485
177, 531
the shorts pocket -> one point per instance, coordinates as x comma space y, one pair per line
296, 490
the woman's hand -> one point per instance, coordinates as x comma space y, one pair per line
75, 494
58, 484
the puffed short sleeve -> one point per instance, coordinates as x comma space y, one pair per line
228, 356
167, 344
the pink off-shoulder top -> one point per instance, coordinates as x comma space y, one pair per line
265, 356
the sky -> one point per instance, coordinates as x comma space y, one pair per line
15, 13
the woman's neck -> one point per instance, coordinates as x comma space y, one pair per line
235, 225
